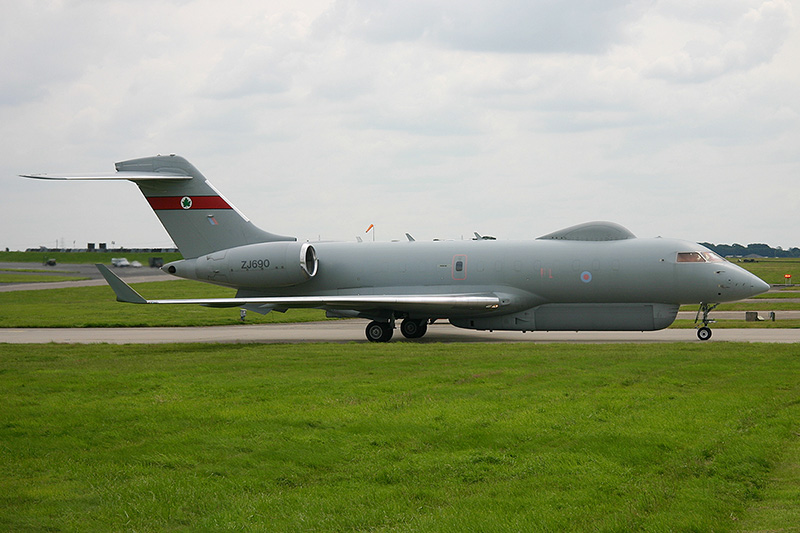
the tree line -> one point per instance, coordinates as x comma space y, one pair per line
764, 250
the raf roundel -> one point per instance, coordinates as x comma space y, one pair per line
586, 276
186, 202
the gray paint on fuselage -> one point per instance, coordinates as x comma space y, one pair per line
533, 272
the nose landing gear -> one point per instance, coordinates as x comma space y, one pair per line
704, 332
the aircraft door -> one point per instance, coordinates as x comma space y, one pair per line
459, 267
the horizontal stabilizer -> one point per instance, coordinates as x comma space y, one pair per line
130, 176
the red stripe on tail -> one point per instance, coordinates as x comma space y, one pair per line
160, 203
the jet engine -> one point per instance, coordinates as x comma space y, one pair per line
262, 265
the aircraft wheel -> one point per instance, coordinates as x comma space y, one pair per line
379, 331
413, 329
704, 333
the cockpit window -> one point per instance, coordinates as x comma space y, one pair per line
698, 257
690, 257
711, 257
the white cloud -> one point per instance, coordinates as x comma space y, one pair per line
438, 118
696, 45
514, 26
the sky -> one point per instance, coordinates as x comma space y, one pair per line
317, 118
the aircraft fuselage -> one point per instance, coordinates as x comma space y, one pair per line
541, 284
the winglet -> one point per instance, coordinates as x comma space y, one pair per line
123, 291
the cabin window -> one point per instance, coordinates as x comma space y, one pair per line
459, 271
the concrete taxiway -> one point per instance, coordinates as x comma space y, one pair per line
343, 331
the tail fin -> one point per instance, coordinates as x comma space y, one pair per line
197, 217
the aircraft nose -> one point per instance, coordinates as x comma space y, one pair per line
752, 285
737, 283
760, 285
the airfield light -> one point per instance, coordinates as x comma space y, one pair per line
788, 279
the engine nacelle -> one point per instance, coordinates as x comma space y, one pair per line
268, 264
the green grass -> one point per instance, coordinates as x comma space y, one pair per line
784, 293
749, 306
97, 307
740, 323
778, 508
83, 257
29, 275
773, 270
38, 270
399, 437
33, 278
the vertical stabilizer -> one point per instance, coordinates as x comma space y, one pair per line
197, 217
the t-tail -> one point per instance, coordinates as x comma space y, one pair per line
197, 217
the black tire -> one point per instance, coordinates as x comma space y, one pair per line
379, 331
413, 329
704, 333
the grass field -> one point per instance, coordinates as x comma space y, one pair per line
789, 292
5, 277
36, 275
97, 307
739, 323
400, 437
773, 270
83, 257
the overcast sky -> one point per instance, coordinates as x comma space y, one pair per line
317, 118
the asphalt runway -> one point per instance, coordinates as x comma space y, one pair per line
344, 331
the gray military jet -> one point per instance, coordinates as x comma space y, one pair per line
594, 276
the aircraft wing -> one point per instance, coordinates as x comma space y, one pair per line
127, 294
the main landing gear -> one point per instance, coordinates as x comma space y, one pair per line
413, 329
382, 331
704, 332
